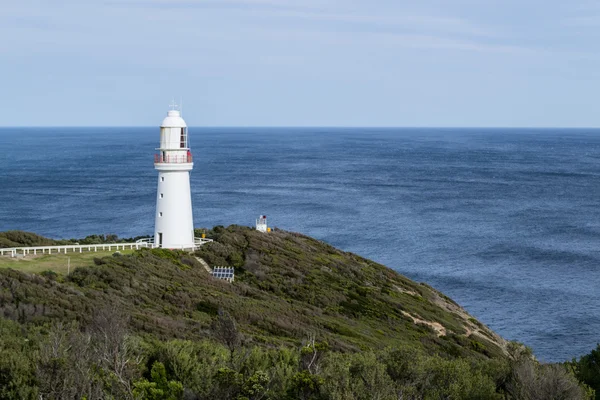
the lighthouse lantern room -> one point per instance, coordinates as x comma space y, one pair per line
174, 226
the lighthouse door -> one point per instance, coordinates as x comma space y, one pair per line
160, 239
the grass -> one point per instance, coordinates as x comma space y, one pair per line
55, 262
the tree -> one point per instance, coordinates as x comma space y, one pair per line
587, 370
225, 331
66, 368
357, 376
532, 381
311, 354
305, 386
158, 388
17, 368
115, 351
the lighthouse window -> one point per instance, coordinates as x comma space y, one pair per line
160, 214
162, 195
182, 142
162, 178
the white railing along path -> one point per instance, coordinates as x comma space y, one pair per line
80, 248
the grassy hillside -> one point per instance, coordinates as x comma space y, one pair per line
58, 263
287, 286
302, 320
292, 284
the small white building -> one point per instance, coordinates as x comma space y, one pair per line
174, 223
261, 224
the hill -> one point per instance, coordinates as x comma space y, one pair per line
302, 320
287, 285
24, 239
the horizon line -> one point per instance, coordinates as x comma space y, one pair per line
302, 127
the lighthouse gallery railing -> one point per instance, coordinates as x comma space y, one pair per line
173, 159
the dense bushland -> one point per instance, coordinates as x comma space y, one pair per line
302, 321
102, 360
587, 369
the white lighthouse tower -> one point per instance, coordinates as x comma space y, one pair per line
174, 226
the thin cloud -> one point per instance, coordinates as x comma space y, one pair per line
407, 40
421, 22
319, 11
215, 4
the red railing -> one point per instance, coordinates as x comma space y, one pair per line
172, 159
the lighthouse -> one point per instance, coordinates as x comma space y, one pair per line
174, 223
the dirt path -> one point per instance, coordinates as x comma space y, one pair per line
436, 326
204, 264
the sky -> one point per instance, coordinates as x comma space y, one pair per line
421, 63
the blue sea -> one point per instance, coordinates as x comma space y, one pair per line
504, 221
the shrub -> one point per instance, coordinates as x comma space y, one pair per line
158, 388
587, 370
207, 307
49, 274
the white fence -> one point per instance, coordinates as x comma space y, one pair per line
80, 248
73, 248
200, 241
197, 243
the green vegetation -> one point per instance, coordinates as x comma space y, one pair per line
587, 369
302, 321
29, 239
54, 262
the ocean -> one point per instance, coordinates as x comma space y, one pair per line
504, 221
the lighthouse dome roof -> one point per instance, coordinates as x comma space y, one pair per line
173, 120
